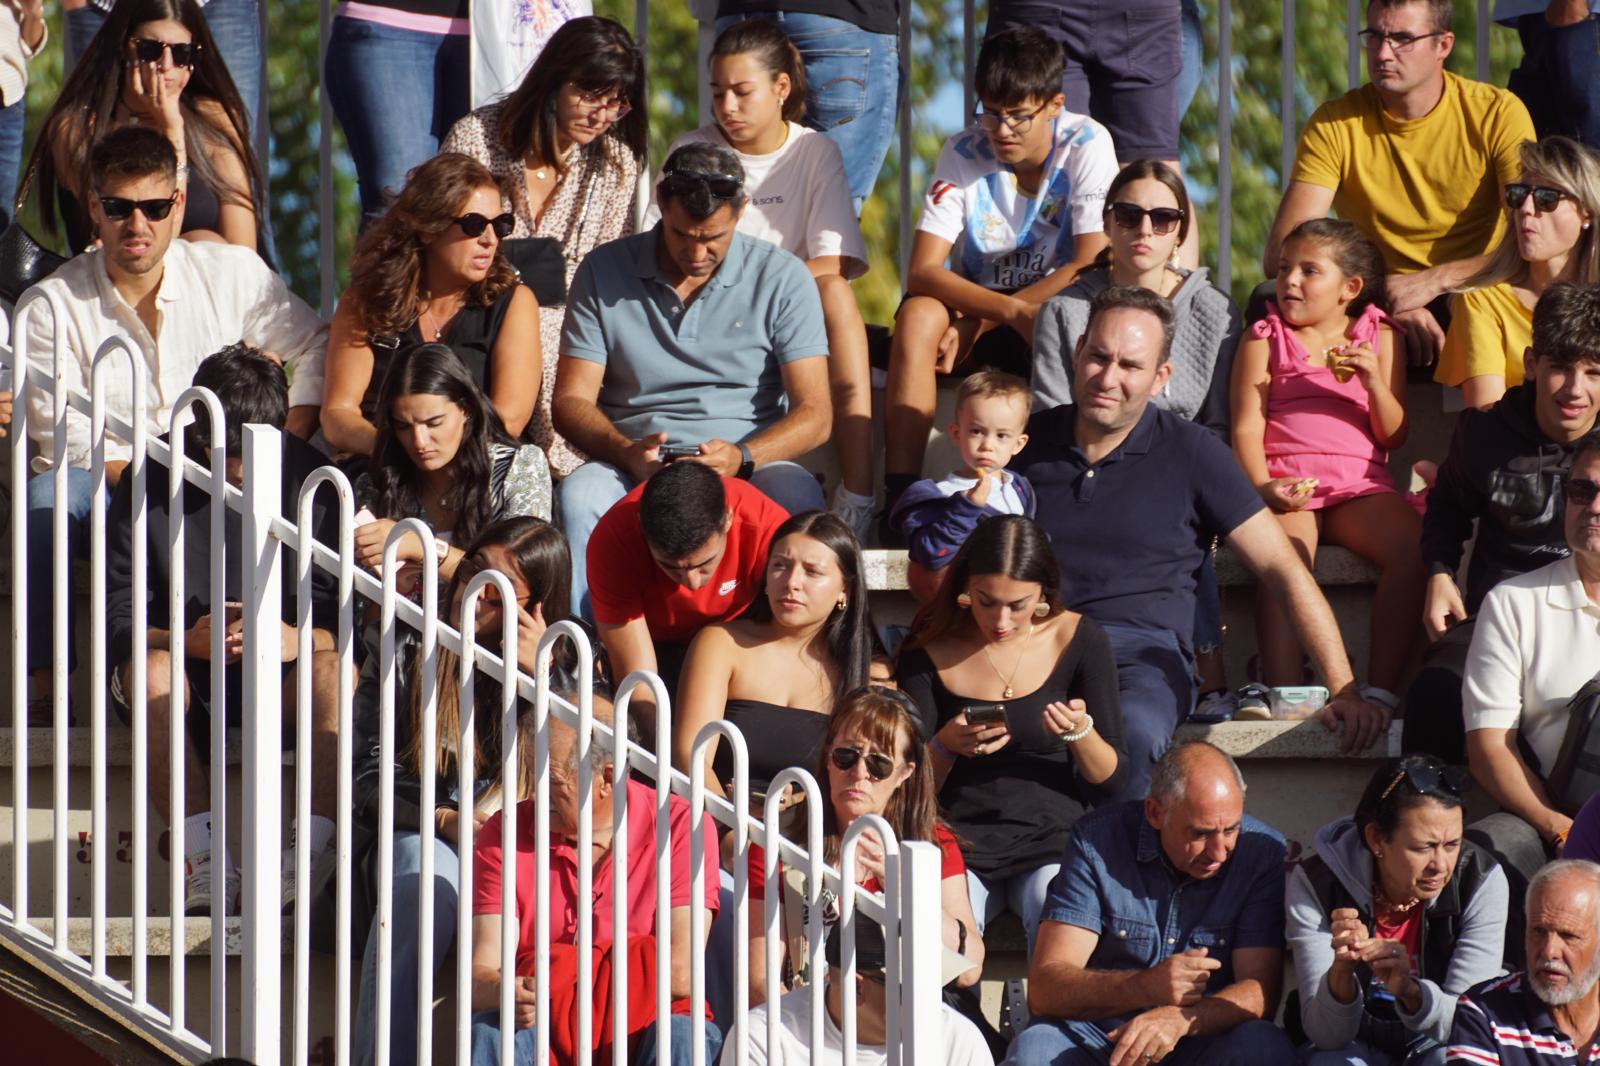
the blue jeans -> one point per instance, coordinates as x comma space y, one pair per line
1052, 1043
1023, 895
396, 94
41, 502
852, 88
1155, 679
595, 487
1207, 607
13, 122
486, 1042
1559, 77
403, 958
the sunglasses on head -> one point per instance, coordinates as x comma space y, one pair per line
117, 208
149, 50
1426, 778
879, 767
1546, 198
722, 186
473, 224
1582, 491
1162, 219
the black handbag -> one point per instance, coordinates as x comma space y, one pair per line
1576, 773
542, 266
24, 262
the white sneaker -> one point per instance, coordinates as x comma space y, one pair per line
321, 869
197, 888
858, 516
1218, 706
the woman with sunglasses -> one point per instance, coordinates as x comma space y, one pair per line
873, 761
1392, 917
153, 64
567, 144
430, 270
1148, 215
1020, 699
1550, 236
800, 201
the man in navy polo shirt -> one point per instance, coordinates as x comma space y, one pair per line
1132, 496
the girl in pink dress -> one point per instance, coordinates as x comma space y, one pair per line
1316, 409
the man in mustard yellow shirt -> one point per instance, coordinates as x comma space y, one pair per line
1416, 158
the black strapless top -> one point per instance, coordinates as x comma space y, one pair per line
775, 737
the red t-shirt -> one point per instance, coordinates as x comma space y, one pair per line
1408, 931
951, 864
625, 583
487, 863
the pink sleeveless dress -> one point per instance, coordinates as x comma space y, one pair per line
1318, 426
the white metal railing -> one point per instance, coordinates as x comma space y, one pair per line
908, 908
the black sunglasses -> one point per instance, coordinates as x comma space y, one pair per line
149, 50
1162, 219
473, 224
118, 208
1582, 491
1545, 198
722, 186
879, 767
1425, 778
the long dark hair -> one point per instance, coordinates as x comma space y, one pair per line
1353, 253
595, 54
1009, 545
776, 53
880, 715
848, 632
436, 370
84, 108
1140, 170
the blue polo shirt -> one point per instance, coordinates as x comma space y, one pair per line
1116, 881
711, 369
1131, 530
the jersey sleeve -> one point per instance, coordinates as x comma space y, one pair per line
944, 207
1093, 166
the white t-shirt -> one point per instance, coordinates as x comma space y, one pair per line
1003, 497
1004, 240
962, 1044
1535, 643
799, 197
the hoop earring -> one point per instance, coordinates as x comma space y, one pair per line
1041, 609
963, 601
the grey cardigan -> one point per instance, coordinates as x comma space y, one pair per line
1203, 346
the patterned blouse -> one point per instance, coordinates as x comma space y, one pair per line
592, 204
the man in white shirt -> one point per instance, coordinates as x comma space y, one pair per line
1536, 643
960, 1041
175, 302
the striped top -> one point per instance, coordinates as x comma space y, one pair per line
1502, 1023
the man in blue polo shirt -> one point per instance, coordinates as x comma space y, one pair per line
1549, 1013
1162, 938
1132, 496
690, 336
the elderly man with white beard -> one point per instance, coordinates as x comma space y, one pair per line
1548, 1013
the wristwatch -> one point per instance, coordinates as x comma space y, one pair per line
747, 463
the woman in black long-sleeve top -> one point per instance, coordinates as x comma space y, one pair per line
1013, 780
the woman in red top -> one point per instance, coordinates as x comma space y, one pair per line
873, 762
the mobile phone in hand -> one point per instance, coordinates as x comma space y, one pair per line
669, 453
985, 713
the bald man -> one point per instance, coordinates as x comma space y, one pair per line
1162, 937
1550, 1011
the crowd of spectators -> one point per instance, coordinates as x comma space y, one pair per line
618, 420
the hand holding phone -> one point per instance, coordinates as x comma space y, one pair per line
668, 453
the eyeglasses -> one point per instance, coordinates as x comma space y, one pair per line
1163, 220
473, 224
879, 767
1546, 198
612, 109
1425, 778
149, 50
117, 208
1400, 42
1582, 491
990, 122
679, 182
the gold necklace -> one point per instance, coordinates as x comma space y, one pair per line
1004, 680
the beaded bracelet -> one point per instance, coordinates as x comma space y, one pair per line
1083, 731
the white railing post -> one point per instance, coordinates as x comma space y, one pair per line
262, 814
848, 890
772, 905
921, 952
731, 735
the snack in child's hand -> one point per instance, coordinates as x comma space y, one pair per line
1335, 360
1304, 487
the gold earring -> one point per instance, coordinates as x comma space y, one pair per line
843, 603
1041, 609
963, 601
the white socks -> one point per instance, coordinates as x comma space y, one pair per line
197, 841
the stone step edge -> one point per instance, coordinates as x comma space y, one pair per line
158, 940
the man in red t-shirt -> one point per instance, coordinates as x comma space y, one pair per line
683, 550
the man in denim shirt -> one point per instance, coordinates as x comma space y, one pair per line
1162, 937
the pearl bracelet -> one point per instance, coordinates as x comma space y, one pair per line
1083, 731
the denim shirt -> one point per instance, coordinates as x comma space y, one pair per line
1146, 912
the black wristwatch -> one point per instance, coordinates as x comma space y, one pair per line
747, 463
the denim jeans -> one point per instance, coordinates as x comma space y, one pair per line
1155, 678
403, 956
852, 88
396, 94
1023, 895
1559, 77
594, 488
1055, 1043
41, 501
13, 121
486, 1042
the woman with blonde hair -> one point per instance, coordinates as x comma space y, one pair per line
1550, 237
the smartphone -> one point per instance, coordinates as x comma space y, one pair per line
669, 453
985, 713
232, 611
362, 517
